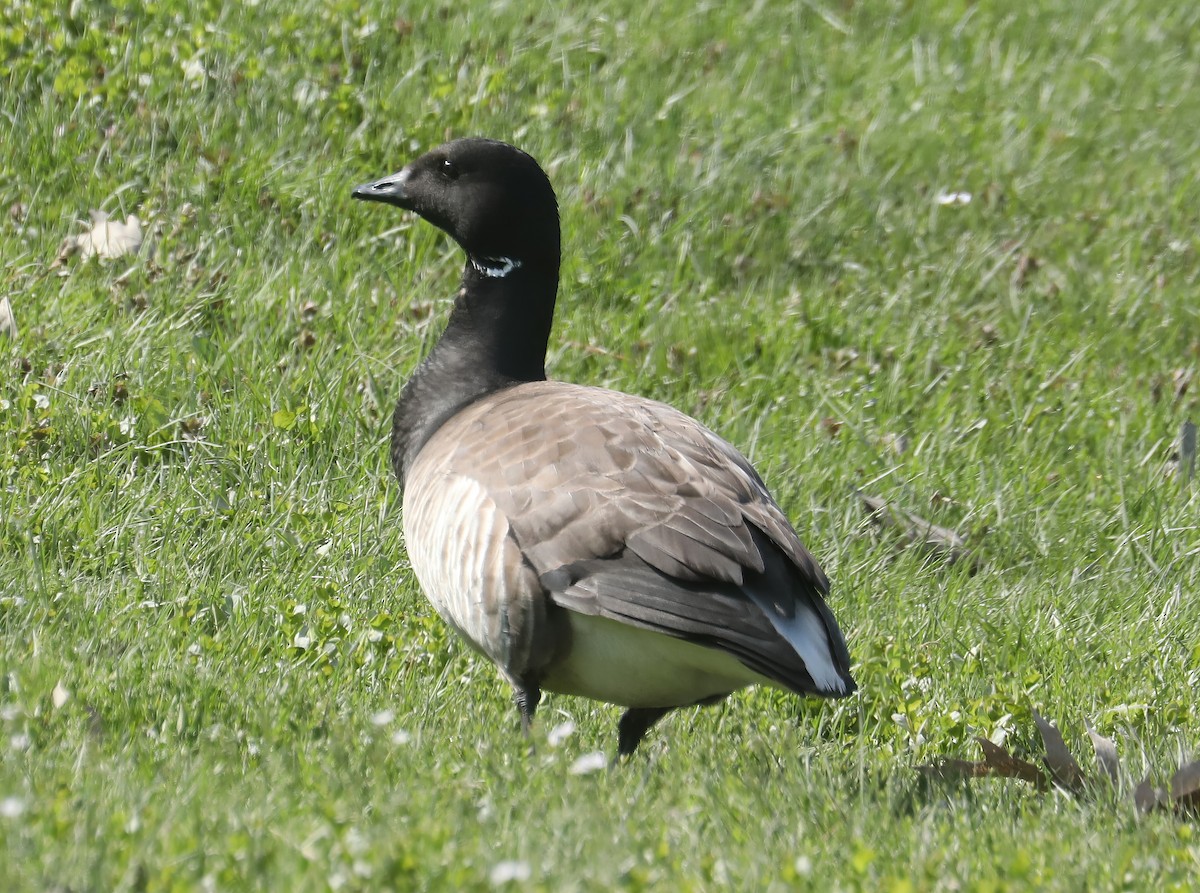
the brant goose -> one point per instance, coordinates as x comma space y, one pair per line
586, 541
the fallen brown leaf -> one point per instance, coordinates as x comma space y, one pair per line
1061, 768
107, 239
1180, 380
1001, 762
8, 324
1146, 798
941, 542
597, 350
953, 769
897, 443
832, 425
1187, 451
1026, 266
996, 762
1106, 755
1185, 789
1062, 765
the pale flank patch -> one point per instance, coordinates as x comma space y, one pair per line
456, 542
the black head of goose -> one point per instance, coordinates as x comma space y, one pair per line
587, 541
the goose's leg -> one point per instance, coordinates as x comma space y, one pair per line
527, 698
633, 726
636, 722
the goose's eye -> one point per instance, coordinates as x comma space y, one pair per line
449, 169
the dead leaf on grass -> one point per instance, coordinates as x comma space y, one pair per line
997, 762
1026, 266
8, 324
1180, 380
941, 542
1146, 797
107, 239
1185, 788
952, 769
1187, 452
1003, 763
832, 426
1106, 754
1061, 768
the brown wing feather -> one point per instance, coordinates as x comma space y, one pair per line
553, 454
584, 474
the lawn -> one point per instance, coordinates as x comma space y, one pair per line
943, 253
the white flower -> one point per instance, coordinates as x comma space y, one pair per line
511, 870
307, 94
12, 807
560, 733
953, 198
194, 71
588, 763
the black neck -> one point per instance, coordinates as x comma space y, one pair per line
496, 337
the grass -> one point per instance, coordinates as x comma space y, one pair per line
216, 671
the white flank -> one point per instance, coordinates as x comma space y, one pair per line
456, 542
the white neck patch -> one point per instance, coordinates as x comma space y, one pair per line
495, 267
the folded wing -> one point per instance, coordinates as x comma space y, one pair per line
627, 509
